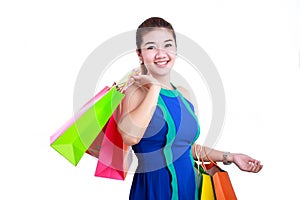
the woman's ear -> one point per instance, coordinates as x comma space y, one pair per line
142, 65
139, 54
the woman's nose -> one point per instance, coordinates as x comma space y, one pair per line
160, 53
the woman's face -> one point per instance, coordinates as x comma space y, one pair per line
158, 51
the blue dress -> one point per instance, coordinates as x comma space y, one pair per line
165, 163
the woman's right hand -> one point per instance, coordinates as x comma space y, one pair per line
145, 80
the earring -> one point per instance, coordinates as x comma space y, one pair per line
141, 62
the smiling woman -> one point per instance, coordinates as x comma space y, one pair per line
162, 53
158, 53
157, 119
163, 39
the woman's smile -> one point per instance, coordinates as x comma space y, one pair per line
161, 63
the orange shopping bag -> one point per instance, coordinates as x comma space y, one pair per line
221, 181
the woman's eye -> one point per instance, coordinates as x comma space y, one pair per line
150, 47
168, 45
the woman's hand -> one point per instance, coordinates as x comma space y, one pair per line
246, 163
138, 107
145, 80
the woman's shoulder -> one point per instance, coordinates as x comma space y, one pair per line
185, 92
187, 95
134, 95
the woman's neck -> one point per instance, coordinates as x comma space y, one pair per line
164, 81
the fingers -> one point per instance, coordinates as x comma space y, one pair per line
254, 166
246, 163
139, 80
145, 80
257, 166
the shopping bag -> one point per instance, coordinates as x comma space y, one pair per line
77, 138
205, 188
205, 184
82, 110
198, 175
222, 185
121, 86
115, 157
95, 147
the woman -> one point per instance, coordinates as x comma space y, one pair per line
158, 121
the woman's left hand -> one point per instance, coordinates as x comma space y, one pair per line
246, 163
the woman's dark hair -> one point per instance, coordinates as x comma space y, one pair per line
150, 24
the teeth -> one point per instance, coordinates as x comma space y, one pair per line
162, 63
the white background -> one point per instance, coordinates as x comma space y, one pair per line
254, 44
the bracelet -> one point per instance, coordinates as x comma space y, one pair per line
225, 161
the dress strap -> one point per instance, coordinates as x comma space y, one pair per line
175, 88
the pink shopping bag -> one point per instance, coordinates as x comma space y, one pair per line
115, 157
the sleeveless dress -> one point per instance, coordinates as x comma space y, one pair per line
165, 164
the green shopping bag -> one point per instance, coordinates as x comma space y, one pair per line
76, 139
